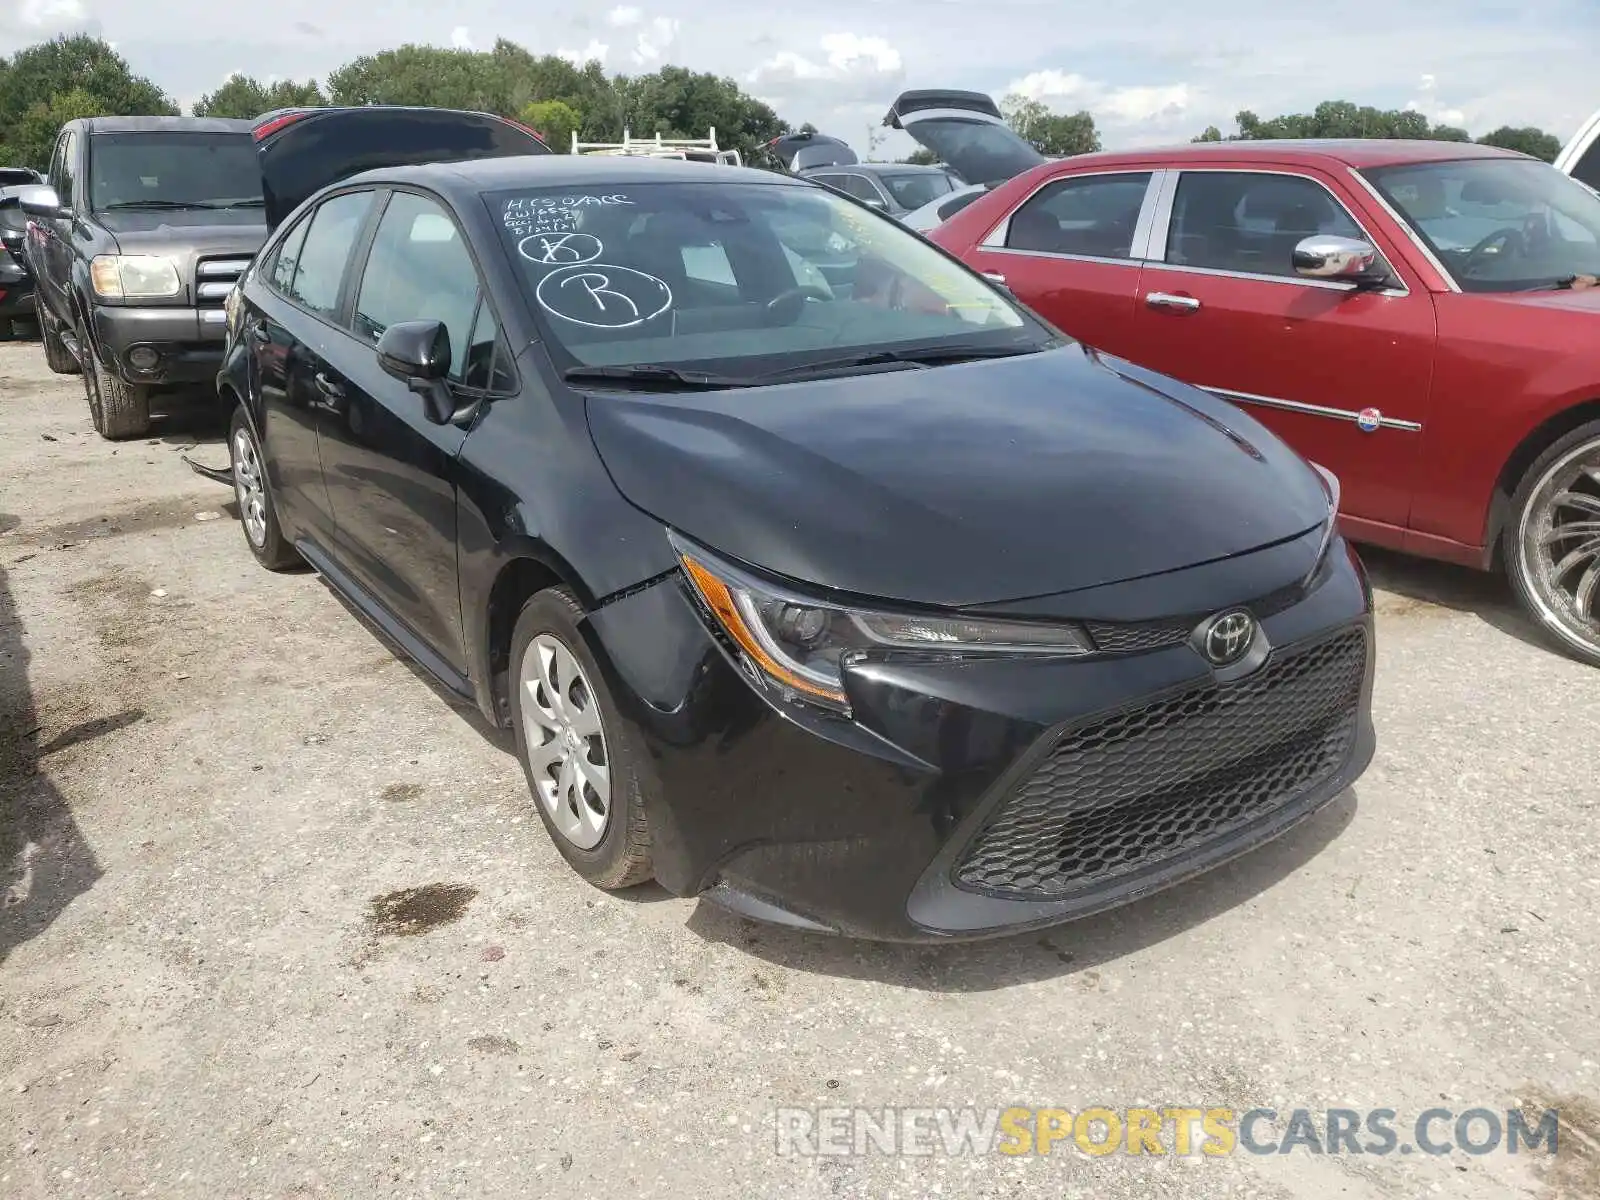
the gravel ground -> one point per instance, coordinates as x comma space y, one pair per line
282, 923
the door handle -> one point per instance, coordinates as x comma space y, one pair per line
1168, 300
259, 332
327, 387
995, 277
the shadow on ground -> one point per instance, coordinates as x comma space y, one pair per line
45, 863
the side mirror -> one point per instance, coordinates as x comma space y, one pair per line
417, 353
41, 201
1346, 260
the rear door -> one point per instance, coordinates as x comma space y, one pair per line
390, 470
966, 131
1342, 375
1071, 250
304, 150
288, 338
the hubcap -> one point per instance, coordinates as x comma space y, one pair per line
247, 487
567, 751
1559, 542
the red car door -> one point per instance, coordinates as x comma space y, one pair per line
1343, 375
1069, 252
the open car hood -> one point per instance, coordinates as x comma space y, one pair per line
965, 130
303, 150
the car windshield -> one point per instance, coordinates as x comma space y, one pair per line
913, 190
1498, 225
170, 170
742, 279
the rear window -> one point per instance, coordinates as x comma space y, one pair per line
173, 170
737, 278
914, 189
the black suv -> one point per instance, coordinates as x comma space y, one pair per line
154, 218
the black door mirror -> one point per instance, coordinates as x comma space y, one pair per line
417, 353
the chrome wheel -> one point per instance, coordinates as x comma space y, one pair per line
1558, 543
249, 489
567, 753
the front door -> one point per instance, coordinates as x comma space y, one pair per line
1068, 252
390, 471
1342, 375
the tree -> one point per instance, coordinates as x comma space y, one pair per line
67, 77
553, 120
246, 98
1055, 135
921, 157
1527, 140
677, 102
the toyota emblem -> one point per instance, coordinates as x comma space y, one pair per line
1226, 638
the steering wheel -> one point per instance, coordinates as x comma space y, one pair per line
784, 308
1510, 235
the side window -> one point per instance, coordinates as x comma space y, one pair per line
861, 187
1587, 168
485, 365
951, 207
1250, 223
66, 167
57, 168
325, 251
288, 257
1089, 215
419, 270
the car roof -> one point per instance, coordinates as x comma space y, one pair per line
166, 125
561, 170
1350, 152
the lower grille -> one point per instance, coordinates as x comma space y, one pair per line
1129, 791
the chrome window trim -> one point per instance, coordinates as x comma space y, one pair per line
1312, 410
1163, 231
995, 239
1405, 227
1045, 254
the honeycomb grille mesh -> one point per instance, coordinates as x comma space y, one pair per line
1133, 789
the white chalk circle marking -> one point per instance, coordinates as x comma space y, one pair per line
601, 296
560, 249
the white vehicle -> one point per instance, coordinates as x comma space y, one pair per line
1580, 158
689, 149
937, 212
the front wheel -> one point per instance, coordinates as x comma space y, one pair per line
119, 410
587, 778
257, 516
1552, 543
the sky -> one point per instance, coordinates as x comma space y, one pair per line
1150, 72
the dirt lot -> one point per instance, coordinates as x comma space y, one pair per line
282, 923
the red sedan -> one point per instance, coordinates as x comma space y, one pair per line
1412, 316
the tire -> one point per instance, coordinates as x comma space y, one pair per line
120, 410
56, 355
258, 517
8, 330
546, 644
1563, 601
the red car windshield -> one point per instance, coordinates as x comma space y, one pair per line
1497, 224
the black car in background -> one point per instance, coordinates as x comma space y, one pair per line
151, 220
858, 600
16, 282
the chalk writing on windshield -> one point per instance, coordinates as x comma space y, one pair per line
560, 249
602, 296
526, 215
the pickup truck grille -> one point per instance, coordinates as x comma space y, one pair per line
213, 280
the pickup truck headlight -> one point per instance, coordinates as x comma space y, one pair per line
797, 645
134, 277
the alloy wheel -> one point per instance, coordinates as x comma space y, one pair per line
1558, 541
249, 489
567, 752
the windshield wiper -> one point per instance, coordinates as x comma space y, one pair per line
925, 356
165, 204
652, 375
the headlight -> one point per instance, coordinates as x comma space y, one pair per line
134, 277
798, 645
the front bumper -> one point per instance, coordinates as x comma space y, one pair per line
188, 342
986, 797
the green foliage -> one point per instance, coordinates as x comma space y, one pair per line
247, 98
1527, 140
553, 120
922, 157
1055, 135
67, 77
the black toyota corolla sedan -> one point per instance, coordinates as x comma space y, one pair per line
814, 574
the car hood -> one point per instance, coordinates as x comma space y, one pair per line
973, 483
1586, 301
208, 231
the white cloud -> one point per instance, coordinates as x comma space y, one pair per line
461, 38
1155, 106
655, 40
51, 14
624, 15
853, 78
595, 51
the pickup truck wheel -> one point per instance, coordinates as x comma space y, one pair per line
1552, 542
120, 411
257, 517
56, 355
